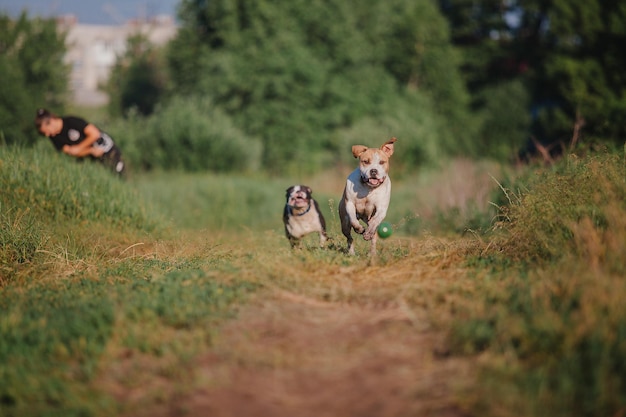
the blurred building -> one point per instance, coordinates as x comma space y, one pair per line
92, 50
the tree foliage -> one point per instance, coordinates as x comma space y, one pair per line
138, 79
298, 73
32, 71
566, 53
586, 64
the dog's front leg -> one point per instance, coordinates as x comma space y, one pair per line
295, 243
354, 220
373, 223
373, 246
349, 221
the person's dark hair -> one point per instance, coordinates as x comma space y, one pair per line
42, 116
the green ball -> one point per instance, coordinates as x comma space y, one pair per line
384, 230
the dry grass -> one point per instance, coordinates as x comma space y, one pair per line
462, 185
552, 331
438, 325
326, 335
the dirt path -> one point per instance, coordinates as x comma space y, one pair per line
289, 357
373, 352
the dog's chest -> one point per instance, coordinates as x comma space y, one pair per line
366, 207
367, 201
298, 226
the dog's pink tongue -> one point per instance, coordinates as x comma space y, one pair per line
374, 181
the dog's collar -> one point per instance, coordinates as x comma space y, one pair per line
300, 214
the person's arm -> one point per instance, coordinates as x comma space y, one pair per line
92, 134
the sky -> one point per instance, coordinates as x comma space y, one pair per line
106, 12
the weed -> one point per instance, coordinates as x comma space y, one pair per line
554, 332
110, 308
542, 221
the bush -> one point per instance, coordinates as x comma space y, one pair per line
186, 134
541, 222
555, 329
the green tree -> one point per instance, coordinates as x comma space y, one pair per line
566, 54
295, 73
32, 71
138, 79
585, 65
496, 56
418, 51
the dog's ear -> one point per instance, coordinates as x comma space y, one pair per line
288, 191
308, 190
387, 147
358, 150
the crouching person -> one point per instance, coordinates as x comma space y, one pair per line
79, 138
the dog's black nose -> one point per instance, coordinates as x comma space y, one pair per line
373, 172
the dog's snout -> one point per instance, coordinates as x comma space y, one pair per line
374, 172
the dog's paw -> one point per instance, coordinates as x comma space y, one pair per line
369, 234
360, 229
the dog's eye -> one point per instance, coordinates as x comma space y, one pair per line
366, 161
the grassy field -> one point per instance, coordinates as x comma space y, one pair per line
500, 293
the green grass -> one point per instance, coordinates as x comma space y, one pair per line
83, 274
110, 286
547, 211
56, 187
21, 236
217, 202
554, 327
54, 334
452, 199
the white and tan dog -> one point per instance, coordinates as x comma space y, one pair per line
367, 194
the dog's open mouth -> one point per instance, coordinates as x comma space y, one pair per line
298, 201
374, 182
